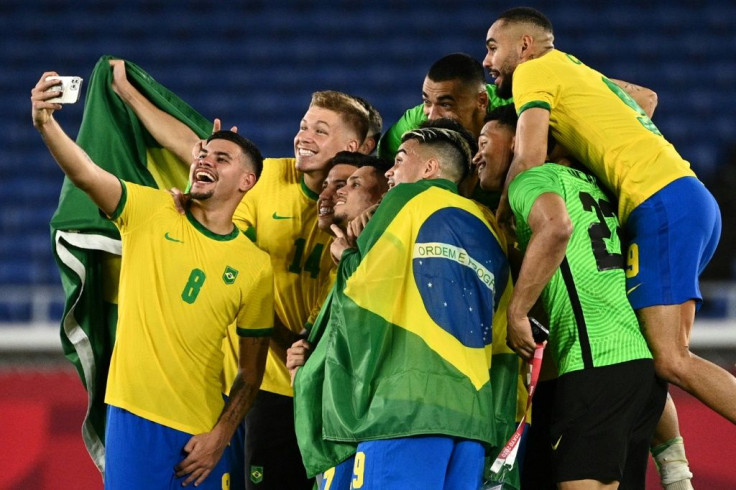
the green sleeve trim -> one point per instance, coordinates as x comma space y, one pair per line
250, 233
254, 332
532, 105
121, 204
307, 191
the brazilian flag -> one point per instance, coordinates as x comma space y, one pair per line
406, 331
87, 246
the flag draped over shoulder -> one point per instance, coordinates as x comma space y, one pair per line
406, 341
87, 246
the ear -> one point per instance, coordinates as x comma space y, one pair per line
513, 143
431, 169
525, 45
483, 100
369, 144
247, 181
352, 145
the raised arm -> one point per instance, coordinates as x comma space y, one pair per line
530, 150
170, 133
103, 187
646, 98
551, 231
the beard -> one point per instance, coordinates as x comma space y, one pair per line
504, 89
201, 196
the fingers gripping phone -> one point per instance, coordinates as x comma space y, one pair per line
70, 88
539, 331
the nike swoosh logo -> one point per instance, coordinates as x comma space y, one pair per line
556, 444
172, 239
276, 216
629, 291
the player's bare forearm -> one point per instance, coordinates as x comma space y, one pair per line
170, 133
103, 187
645, 97
551, 231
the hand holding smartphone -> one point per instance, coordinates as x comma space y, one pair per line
70, 88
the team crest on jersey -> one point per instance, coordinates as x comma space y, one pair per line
229, 275
256, 474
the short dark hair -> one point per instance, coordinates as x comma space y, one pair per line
457, 66
527, 15
450, 143
360, 160
249, 148
504, 115
447, 123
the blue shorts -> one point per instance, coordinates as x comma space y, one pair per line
337, 477
672, 236
419, 462
140, 454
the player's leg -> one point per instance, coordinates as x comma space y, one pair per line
418, 462
668, 451
338, 477
273, 460
140, 453
666, 329
595, 412
673, 235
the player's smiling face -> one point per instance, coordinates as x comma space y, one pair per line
451, 99
495, 146
363, 190
502, 57
336, 179
217, 168
322, 133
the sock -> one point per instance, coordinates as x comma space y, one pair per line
672, 463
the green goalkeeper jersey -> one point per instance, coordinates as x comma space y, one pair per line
592, 323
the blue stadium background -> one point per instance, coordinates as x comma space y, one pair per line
255, 63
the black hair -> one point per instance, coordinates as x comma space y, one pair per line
527, 15
447, 123
504, 115
457, 66
360, 160
249, 148
450, 144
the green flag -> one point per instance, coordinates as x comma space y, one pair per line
87, 246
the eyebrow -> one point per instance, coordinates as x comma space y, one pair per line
490, 40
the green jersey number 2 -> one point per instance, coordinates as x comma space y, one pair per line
599, 232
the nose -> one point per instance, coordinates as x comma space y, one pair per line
433, 113
389, 172
488, 61
477, 158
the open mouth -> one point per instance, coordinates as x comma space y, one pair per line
204, 176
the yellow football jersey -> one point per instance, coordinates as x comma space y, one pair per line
180, 287
281, 212
601, 125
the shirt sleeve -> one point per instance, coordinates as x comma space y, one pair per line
528, 186
136, 203
390, 142
534, 85
255, 318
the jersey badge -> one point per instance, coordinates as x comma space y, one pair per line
256, 474
229, 275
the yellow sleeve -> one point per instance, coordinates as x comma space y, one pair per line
534, 85
255, 318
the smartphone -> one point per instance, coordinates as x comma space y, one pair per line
70, 88
539, 331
